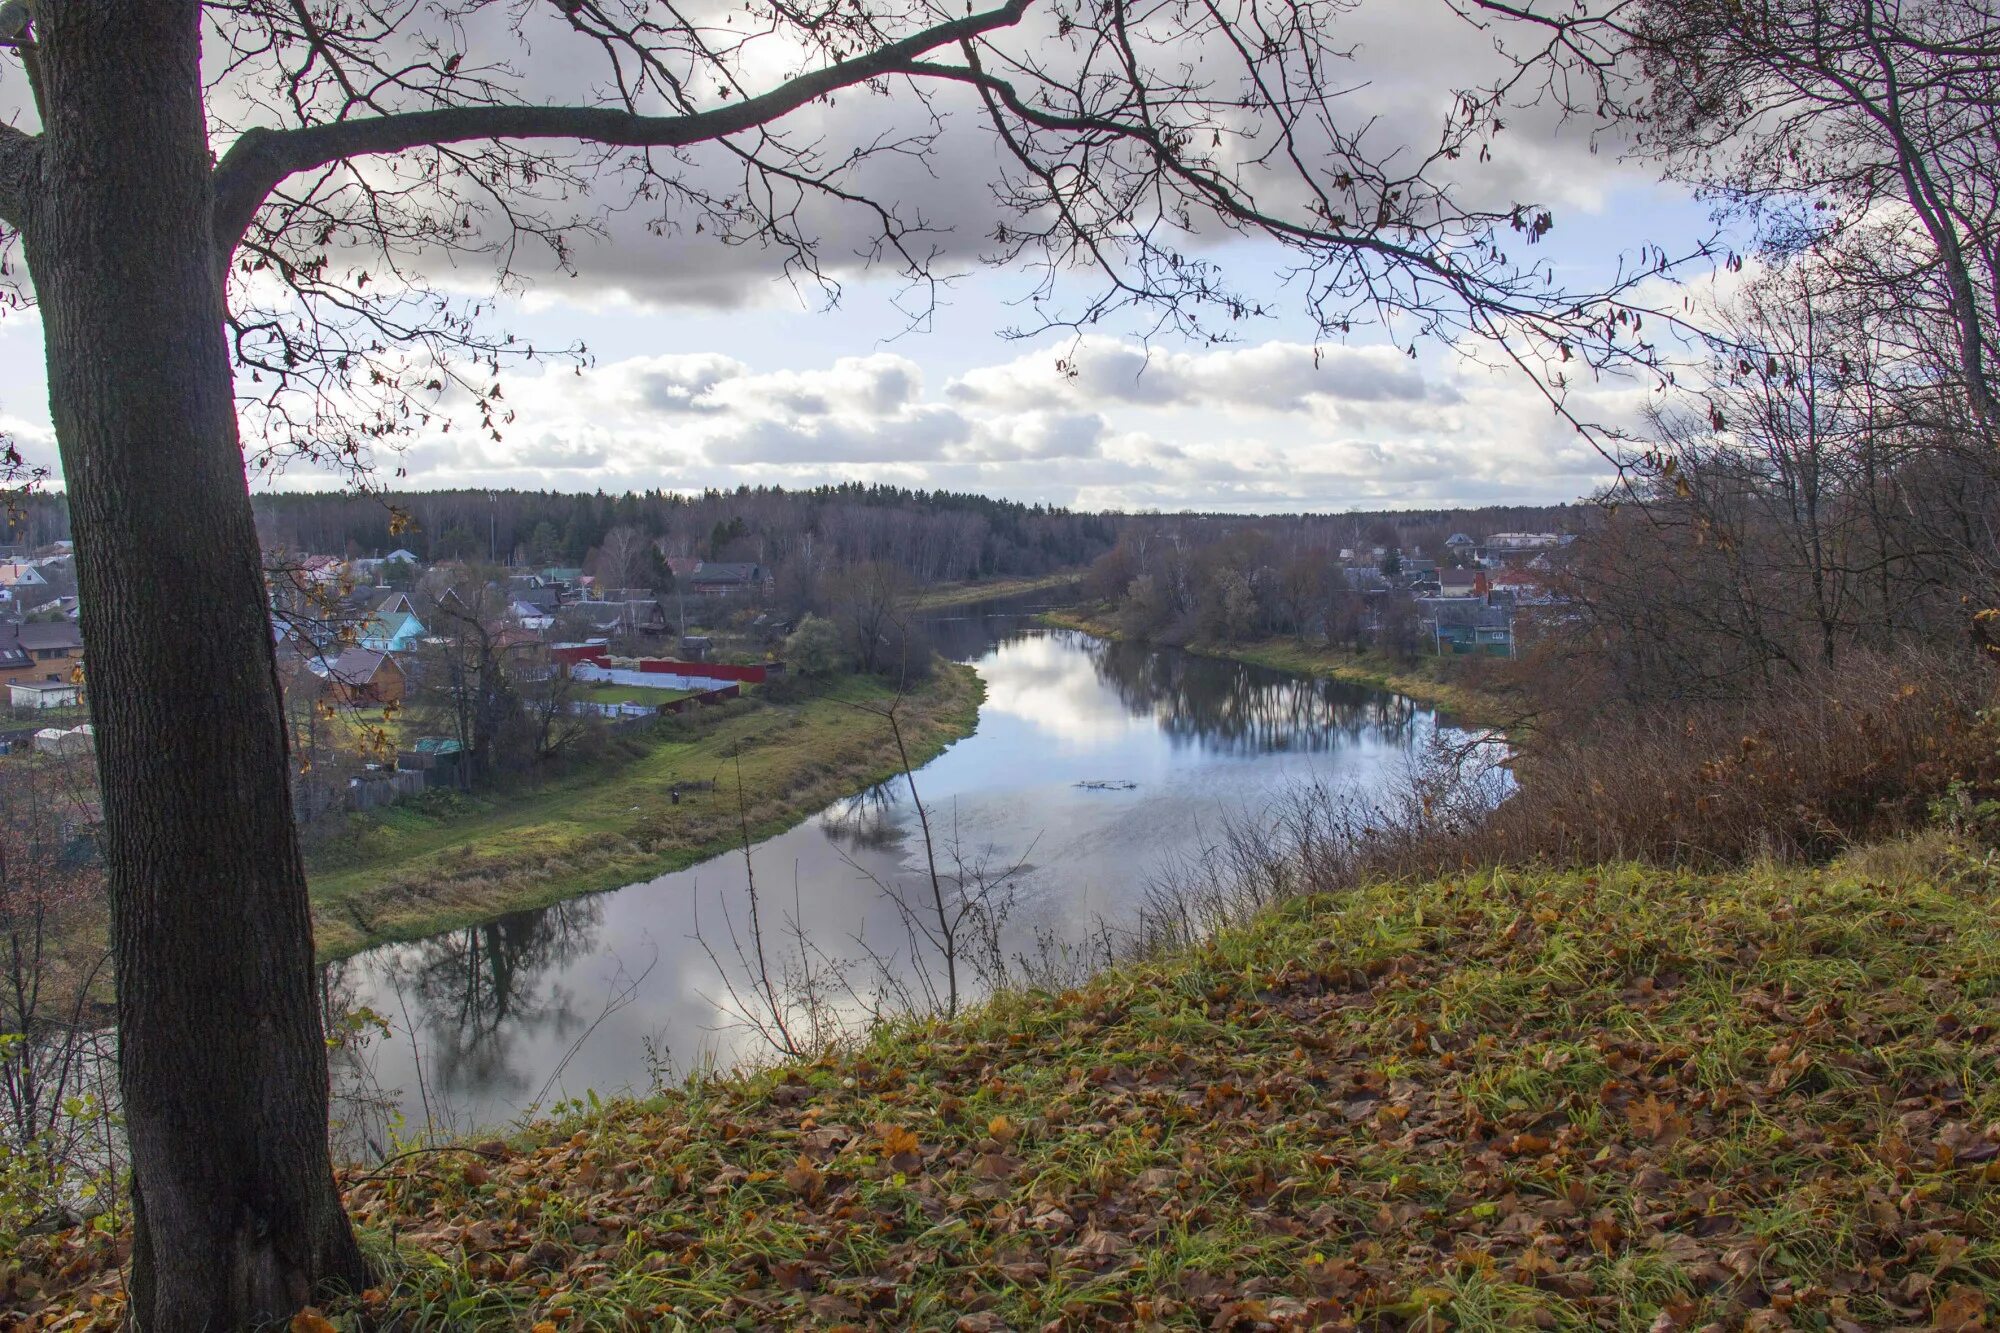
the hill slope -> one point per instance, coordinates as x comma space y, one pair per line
1624, 1099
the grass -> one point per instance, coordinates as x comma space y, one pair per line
941, 595
1436, 681
419, 867
605, 693
1623, 1099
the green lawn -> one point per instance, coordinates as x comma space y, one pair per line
619, 694
409, 872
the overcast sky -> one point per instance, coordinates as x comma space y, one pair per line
709, 370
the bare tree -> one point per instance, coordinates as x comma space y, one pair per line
1865, 127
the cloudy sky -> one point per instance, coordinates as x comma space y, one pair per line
709, 369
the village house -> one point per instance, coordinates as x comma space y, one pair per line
1468, 625
363, 676
529, 616
390, 626
728, 578
19, 577
40, 651
627, 616
1463, 583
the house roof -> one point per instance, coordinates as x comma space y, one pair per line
726, 571
1465, 613
602, 614
384, 601
43, 636
359, 666
44, 686
1459, 539
17, 571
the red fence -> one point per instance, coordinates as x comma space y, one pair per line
703, 699
712, 670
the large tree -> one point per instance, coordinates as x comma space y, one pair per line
228, 212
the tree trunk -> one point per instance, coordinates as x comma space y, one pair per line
221, 1058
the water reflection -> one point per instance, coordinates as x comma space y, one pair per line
1095, 764
1229, 707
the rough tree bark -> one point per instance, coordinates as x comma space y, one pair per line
222, 1062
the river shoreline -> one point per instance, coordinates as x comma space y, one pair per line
416, 875
1462, 701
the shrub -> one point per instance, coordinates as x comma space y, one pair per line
1841, 759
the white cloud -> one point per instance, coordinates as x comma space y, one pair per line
1256, 427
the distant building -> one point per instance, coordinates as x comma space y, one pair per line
21, 575
363, 676
1463, 582
726, 578
39, 694
1468, 625
391, 626
635, 616
40, 651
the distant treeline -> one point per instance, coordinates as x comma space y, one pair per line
934, 536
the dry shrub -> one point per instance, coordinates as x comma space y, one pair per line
1837, 760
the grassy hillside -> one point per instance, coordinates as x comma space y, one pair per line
412, 870
1440, 682
1620, 1099
940, 596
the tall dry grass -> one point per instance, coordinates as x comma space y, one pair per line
1835, 760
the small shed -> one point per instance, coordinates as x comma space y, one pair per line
45, 694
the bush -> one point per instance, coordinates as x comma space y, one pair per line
814, 648
1880, 748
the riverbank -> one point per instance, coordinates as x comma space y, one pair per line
1615, 1098
941, 596
421, 867
1438, 682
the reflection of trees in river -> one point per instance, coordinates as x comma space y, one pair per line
1227, 706
865, 821
472, 994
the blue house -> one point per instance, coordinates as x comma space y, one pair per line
391, 626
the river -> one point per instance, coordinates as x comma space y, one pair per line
1095, 767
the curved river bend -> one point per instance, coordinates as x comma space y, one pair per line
1095, 766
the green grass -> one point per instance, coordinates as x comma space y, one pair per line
407, 871
617, 694
1622, 1099
1437, 681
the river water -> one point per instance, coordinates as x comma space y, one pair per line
1095, 767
